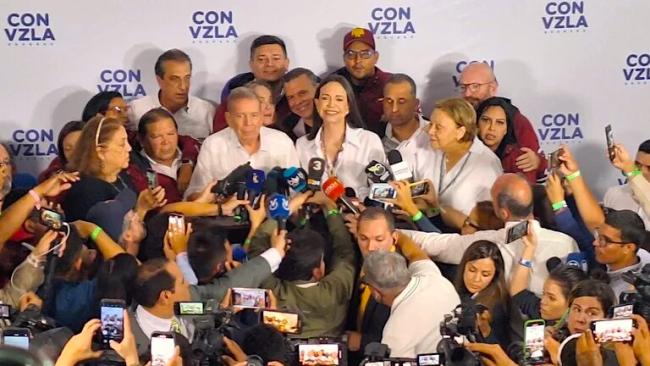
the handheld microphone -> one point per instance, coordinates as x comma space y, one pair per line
577, 259
279, 210
378, 172
335, 190
552, 263
255, 184
273, 181
225, 186
240, 214
296, 178
400, 169
315, 173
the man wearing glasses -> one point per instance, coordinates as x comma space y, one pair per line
360, 58
478, 83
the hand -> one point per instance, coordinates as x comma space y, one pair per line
127, 349
351, 221
641, 340
322, 200
530, 239
528, 161
491, 354
226, 302
431, 197
84, 228
404, 199
57, 183
256, 216
206, 195
150, 199
552, 346
354, 340
78, 347
45, 243
229, 262
296, 202
176, 240
588, 351
554, 189
228, 207
279, 241
568, 164
622, 160
624, 354
183, 177
273, 301
237, 354
30, 298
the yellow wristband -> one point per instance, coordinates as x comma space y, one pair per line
573, 176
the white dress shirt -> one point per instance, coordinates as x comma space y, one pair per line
622, 198
359, 148
468, 182
449, 248
170, 171
195, 119
222, 152
150, 323
414, 323
415, 150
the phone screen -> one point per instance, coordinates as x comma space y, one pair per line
162, 348
534, 343
112, 318
249, 297
418, 189
431, 359
190, 308
177, 222
5, 311
517, 232
613, 330
554, 159
379, 191
318, 354
623, 311
152, 179
282, 321
51, 219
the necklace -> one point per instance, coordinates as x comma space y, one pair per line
330, 164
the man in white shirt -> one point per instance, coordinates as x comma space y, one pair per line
512, 199
418, 296
300, 89
244, 140
622, 197
406, 129
173, 73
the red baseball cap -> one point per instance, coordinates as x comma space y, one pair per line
359, 34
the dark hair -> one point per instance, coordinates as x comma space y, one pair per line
510, 110
594, 288
566, 277
517, 209
152, 116
206, 250
402, 78
307, 251
152, 279
72, 252
170, 55
376, 213
300, 71
496, 293
115, 278
98, 104
629, 224
266, 40
68, 128
353, 119
267, 343
645, 147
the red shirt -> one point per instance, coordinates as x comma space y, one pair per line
526, 137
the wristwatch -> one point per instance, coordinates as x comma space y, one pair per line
187, 162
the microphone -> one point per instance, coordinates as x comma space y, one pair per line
255, 184
274, 181
577, 259
296, 178
240, 214
552, 263
378, 172
315, 173
279, 210
400, 169
334, 190
225, 186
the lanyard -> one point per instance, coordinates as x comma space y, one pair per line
441, 190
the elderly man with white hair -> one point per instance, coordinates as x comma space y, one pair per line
418, 295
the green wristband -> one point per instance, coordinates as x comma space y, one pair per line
573, 176
95, 233
333, 212
633, 173
247, 242
557, 206
417, 217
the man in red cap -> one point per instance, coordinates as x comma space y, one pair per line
368, 81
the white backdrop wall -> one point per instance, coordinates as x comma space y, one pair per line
571, 67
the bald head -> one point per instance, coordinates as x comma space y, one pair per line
512, 197
477, 83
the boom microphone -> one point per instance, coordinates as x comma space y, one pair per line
400, 169
335, 190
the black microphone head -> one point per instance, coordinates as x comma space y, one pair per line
378, 172
350, 192
315, 172
394, 157
552, 263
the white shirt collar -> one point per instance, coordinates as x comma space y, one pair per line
150, 323
389, 130
352, 137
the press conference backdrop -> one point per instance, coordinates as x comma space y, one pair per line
572, 67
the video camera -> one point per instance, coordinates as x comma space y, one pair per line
460, 323
641, 298
378, 354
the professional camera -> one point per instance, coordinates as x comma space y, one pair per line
641, 298
377, 354
461, 323
33, 319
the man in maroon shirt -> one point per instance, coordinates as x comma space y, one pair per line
478, 83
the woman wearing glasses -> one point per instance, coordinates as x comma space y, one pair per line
101, 156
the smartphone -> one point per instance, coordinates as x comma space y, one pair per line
5, 311
432, 359
419, 188
609, 136
162, 348
176, 222
612, 330
189, 308
554, 160
50, 218
16, 337
534, 353
319, 354
152, 179
517, 232
112, 318
622, 311
382, 191
285, 322
255, 298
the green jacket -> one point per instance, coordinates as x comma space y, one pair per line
322, 305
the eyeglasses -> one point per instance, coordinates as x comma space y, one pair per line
473, 87
603, 241
99, 129
365, 54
